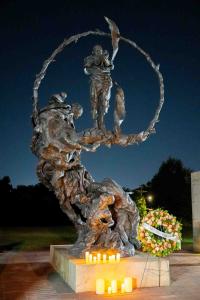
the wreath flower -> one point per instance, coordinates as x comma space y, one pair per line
160, 233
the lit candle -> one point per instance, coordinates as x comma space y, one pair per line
128, 284
98, 257
118, 257
114, 286
87, 256
112, 258
104, 258
109, 290
122, 288
95, 259
100, 286
90, 258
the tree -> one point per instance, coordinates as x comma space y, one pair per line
142, 207
6, 195
27, 206
5, 185
171, 188
137, 195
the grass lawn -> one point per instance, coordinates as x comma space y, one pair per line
35, 238
39, 238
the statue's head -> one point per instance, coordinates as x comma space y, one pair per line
57, 101
63, 96
77, 110
58, 98
97, 50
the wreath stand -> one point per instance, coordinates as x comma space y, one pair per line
145, 269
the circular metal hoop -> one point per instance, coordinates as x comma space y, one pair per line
39, 77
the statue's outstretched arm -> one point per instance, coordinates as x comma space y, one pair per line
74, 141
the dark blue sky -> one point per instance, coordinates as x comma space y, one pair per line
168, 30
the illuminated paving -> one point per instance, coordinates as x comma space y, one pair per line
29, 276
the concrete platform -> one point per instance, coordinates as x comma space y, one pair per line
145, 270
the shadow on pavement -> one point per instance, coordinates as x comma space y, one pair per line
59, 284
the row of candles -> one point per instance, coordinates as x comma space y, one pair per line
90, 258
126, 286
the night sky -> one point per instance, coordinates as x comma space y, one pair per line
168, 30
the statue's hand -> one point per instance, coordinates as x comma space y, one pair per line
90, 148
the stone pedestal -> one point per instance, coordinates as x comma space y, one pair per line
195, 178
81, 277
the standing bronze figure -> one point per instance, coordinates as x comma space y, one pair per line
98, 66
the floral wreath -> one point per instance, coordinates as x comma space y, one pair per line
160, 233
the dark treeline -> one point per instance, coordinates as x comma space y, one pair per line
31, 205
170, 189
34, 205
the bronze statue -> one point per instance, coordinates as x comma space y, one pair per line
58, 147
98, 66
103, 214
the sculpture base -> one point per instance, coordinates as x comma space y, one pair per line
146, 271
